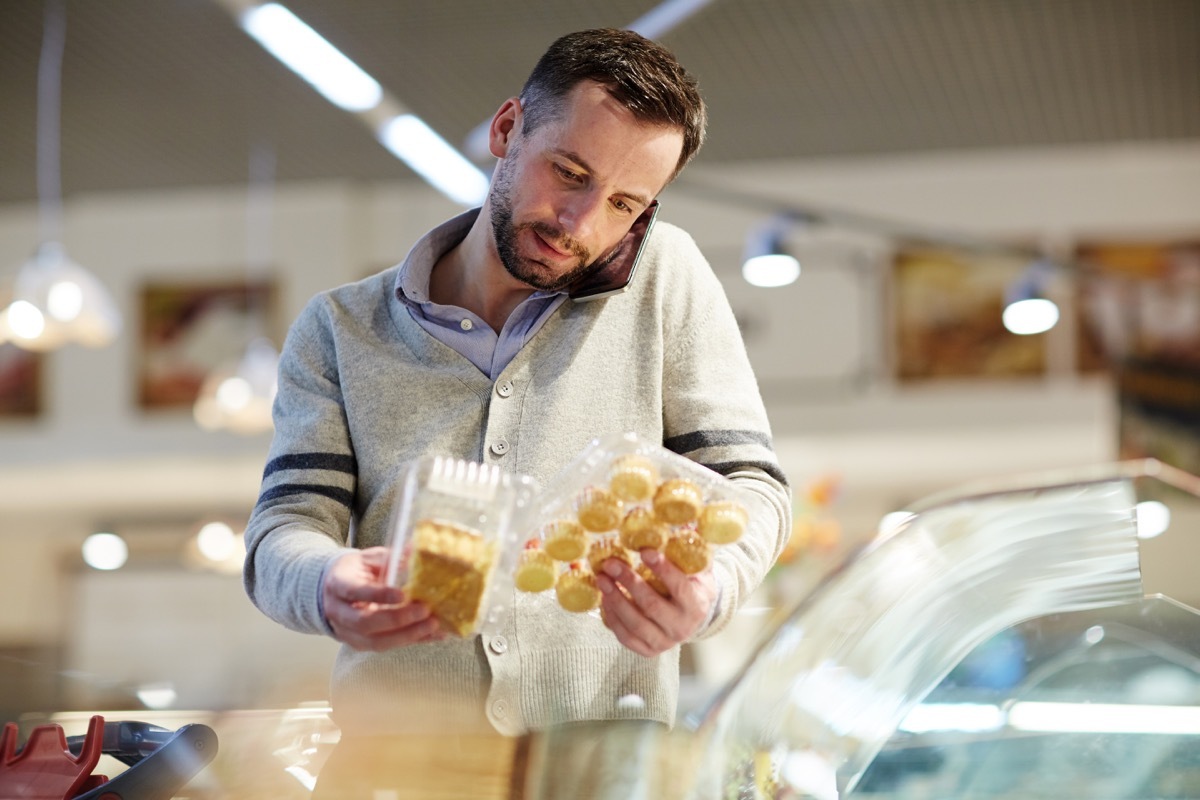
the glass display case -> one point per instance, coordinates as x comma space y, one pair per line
1004, 641
999, 642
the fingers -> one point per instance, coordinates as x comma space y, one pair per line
641, 618
358, 577
370, 626
366, 614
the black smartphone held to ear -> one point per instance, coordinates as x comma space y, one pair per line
614, 277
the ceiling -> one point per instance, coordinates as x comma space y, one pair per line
160, 93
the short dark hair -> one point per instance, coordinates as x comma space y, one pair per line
640, 74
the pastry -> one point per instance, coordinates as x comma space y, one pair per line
576, 589
448, 572
642, 530
535, 569
688, 551
723, 522
633, 478
564, 539
606, 548
598, 509
678, 501
652, 580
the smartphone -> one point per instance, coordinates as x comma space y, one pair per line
615, 276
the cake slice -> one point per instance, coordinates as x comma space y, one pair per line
449, 572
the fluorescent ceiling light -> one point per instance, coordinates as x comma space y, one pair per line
310, 56
1031, 316
430, 156
771, 270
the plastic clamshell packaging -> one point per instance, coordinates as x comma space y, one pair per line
621, 495
455, 539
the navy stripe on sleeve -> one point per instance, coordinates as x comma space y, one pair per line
335, 462
698, 440
769, 467
343, 496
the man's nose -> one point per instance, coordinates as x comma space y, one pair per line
579, 214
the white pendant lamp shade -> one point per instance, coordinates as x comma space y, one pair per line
57, 302
239, 398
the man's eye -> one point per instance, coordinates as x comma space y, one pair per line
621, 205
566, 173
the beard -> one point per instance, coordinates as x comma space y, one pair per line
527, 270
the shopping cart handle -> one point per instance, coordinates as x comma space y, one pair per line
127, 741
164, 771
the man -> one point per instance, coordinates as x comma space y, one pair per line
471, 348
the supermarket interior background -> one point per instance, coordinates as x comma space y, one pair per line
922, 160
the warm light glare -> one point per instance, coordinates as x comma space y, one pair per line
430, 156
25, 321
105, 551
772, 270
310, 56
65, 300
234, 394
894, 520
157, 696
1153, 518
1026, 317
216, 541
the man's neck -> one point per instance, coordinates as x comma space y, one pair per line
471, 276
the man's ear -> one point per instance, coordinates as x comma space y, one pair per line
506, 124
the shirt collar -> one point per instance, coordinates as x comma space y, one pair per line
412, 281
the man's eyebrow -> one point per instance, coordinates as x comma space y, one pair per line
573, 156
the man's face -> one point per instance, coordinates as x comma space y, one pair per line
564, 196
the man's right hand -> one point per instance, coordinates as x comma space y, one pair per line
365, 613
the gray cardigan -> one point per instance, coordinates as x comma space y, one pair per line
363, 389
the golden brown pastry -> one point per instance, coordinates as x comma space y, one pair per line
688, 551
448, 572
678, 501
655, 582
633, 478
603, 549
723, 521
576, 589
598, 509
642, 530
535, 569
564, 539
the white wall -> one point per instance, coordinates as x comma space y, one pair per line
93, 457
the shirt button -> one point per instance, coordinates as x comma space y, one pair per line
466, 324
500, 709
498, 645
500, 446
504, 388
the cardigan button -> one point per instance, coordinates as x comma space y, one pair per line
500, 709
500, 446
498, 645
504, 388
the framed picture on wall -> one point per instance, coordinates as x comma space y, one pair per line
20, 382
187, 330
946, 309
1140, 313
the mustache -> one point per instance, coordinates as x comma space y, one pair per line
560, 239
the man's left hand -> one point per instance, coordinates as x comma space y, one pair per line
645, 621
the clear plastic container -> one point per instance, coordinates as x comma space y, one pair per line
456, 535
623, 494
